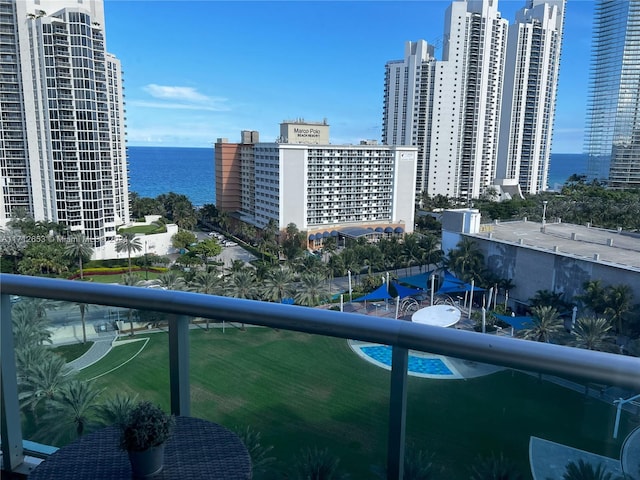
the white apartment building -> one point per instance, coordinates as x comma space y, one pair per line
529, 99
467, 100
62, 149
483, 115
408, 90
319, 186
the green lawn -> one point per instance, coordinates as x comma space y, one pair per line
301, 390
146, 229
118, 277
73, 351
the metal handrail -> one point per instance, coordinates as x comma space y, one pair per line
402, 335
575, 363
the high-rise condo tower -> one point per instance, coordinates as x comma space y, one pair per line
63, 153
613, 118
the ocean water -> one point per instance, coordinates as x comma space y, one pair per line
157, 170
190, 171
563, 165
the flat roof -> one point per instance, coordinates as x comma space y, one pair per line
615, 247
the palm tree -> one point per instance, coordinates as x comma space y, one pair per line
315, 464
131, 280
42, 381
128, 243
594, 296
208, 283
277, 285
30, 326
312, 291
260, 461
412, 251
78, 248
242, 284
618, 304
114, 411
83, 310
495, 468
431, 252
74, 406
466, 260
170, 280
593, 333
586, 471
545, 325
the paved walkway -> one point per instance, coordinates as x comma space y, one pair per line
99, 349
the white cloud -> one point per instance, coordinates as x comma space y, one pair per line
175, 93
183, 98
212, 106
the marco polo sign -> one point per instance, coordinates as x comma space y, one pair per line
316, 133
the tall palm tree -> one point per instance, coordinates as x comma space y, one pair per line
83, 311
495, 467
131, 280
545, 325
618, 304
242, 284
78, 248
431, 252
277, 285
128, 243
72, 409
593, 296
412, 251
208, 283
312, 291
466, 260
593, 333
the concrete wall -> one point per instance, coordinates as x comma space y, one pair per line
533, 269
158, 243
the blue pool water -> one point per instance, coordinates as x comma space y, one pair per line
427, 366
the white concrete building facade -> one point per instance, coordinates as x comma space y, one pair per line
467, 100
408, 91
63, 152
529, 99
322, 186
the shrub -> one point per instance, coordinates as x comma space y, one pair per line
146, 426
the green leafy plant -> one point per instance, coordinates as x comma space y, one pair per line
146, 426
495, 467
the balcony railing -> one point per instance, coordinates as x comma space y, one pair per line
586, 365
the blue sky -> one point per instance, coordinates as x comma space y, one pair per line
199, 70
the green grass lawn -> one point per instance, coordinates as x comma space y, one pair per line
300, 390
118, 277
146, 229
73, 351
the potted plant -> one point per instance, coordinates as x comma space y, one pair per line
144, 433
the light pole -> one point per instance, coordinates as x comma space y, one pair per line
146, 259
544, 213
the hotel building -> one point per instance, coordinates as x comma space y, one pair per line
303, 179
613, 123
483, 115
63, 153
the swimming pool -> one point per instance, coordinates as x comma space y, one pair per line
420, 364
